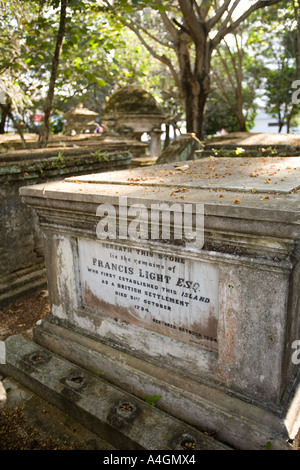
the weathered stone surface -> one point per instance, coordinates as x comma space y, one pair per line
43, 424
122, 419
132, 111
248, 268
229, 419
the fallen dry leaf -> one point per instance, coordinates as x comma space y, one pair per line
182, 168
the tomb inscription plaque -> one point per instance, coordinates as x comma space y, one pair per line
172, 295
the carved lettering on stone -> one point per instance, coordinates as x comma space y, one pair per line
168, 294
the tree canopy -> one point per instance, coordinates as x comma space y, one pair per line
194, 56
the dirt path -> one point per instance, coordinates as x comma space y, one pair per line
27, 422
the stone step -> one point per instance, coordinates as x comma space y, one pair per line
233, 146
123, 420
31, 423
23, 282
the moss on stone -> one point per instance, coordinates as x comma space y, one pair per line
132, 100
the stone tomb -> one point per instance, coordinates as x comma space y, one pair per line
212, 327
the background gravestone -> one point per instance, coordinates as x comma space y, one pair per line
181, 149
131, 112
80, 120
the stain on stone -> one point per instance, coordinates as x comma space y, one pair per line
202, 335
76, 380
123, 414
35, 359
70, 394
74, 383
184, 441
126, 315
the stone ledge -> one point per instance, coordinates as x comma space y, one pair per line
123, 420
240, 423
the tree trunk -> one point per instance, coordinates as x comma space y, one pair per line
189, 109
199, 131
239, 102
242, 121
4, 114
288, 119
44, 134
18, 127
195, 92
297, 16
167, 138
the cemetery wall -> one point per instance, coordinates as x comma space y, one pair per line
22, 265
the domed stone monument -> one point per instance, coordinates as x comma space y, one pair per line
131, 112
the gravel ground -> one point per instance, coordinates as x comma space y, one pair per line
27, 422
22, 315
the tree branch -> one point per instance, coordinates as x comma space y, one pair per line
190, 17
156, 39
213, 21
43, 137
225, 67
230, 12
204, 8
18, 127
223, 31
169, 25
162, 58
224, 95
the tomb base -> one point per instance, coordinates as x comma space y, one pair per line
239, 423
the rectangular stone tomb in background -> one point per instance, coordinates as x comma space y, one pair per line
172, 295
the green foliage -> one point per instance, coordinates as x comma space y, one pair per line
59, 161
279, 53
151, 400
219, 115
27, 41
133, 5
279, 91
56, 125
100, 156
237, 76
100, 54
